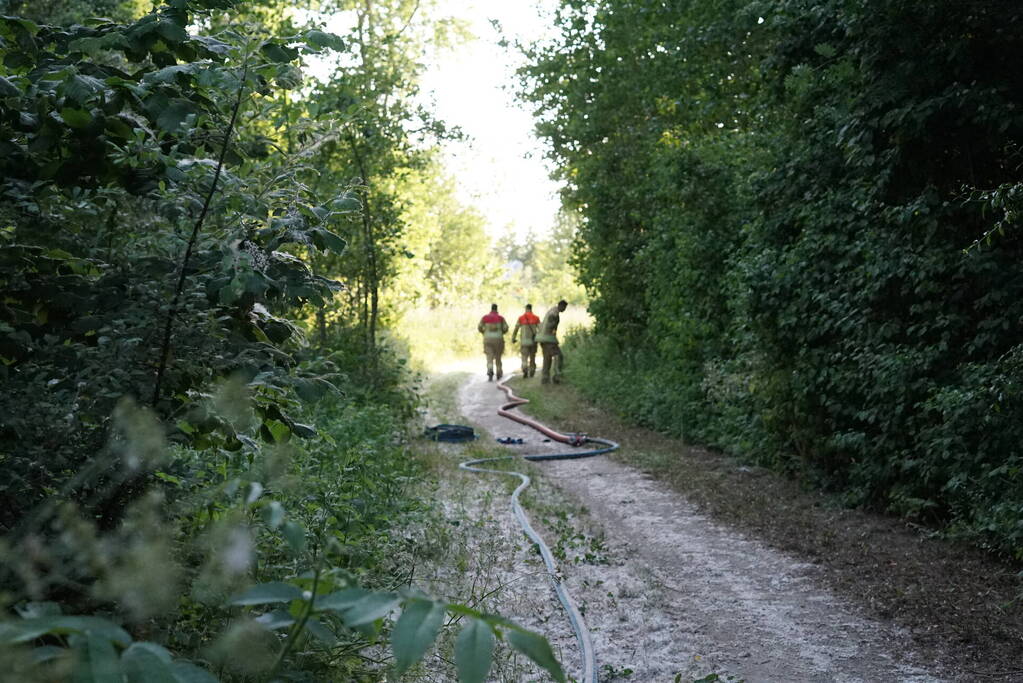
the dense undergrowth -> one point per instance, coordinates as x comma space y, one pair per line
202, 435
979, 504
799, 227
280, 560
312, 514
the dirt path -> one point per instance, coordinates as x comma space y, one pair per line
669, 593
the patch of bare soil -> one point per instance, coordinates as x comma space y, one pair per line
809, 590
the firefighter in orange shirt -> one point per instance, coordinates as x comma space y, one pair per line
528, 323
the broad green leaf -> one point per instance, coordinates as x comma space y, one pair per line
318, 40
536, 648
124, 84
312, 389
212, 45
76, 118
233, 291
172, 116
95, 660
474, 651
149, 649
25, 25
294, 534
278, 53
320, 631
374, 606
48, 653
186, 672
80, 88
304, 431
264, 593
320, 212
118, 127
358, 606
8, 89
415, 632
346, 204
30, 629
279, 431
13, 632
325, 240
256, 283
95, 45
171, 31
278, 331
147, 663
59, 75
341, 600
169, 74
288, 76
276, 619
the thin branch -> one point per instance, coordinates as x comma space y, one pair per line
407, 23
196, 229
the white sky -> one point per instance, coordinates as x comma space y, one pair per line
501, 170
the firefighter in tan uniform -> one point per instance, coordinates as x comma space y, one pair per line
493, 328
548, 338
528, 324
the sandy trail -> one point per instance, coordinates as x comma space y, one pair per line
675, 596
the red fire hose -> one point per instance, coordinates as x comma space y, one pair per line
515, 401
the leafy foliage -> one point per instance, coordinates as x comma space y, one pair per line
104, 170
181, 466
774, 199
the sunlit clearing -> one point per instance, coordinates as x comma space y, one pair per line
446, 340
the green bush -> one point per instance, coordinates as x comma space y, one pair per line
189, 488
774, 200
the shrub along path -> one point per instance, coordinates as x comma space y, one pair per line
716, 567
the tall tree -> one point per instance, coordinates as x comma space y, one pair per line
386, 137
